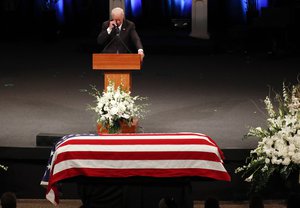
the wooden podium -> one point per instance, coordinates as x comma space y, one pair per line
117, 68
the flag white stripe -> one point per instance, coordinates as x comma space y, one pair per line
138, 164
160, 165
141, 136
51, 197
138, 148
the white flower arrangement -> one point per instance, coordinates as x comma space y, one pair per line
3, 167
113, 106
278, 147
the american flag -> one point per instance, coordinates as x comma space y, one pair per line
126, 155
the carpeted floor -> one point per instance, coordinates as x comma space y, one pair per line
40, 203
44, 89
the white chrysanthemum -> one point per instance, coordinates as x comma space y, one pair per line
121, 107
286, 161
269, 142
268, 152
296, 158
291, 147
114, 105
280, 145
286, 131
277, 161
295, 140
113, 111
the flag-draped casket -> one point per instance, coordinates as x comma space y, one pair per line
158, 155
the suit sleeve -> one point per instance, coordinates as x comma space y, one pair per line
135, 38
103, 36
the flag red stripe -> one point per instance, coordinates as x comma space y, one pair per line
123, 173
137, 156
163, 152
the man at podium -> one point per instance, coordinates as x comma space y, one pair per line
118, 35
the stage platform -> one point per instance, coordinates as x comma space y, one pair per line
44, 91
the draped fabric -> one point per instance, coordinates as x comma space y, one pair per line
126, 155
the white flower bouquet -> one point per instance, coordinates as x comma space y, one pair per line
115, 106
278, 147
3, 167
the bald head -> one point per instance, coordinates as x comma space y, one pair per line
117, 11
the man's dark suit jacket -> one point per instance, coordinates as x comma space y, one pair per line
127, 40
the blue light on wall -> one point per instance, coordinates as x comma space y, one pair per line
244, 4
261, 3
181, 7
252, 6
134, 7
52, 5
59, 7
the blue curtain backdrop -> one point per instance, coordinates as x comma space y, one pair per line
180, 8
238, 9
83, 15
254, 4
59, 7
140, 10
133, 8
53, 5
261, 4
167, 8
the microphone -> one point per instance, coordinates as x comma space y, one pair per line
117, 29
116, 38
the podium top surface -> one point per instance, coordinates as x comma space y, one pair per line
102, 61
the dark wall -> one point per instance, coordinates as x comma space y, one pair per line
30, 18
83, 17
227, 24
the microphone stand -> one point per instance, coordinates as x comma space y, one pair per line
120, 40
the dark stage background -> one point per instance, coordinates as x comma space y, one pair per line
66, 18
210, 86
44, 47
